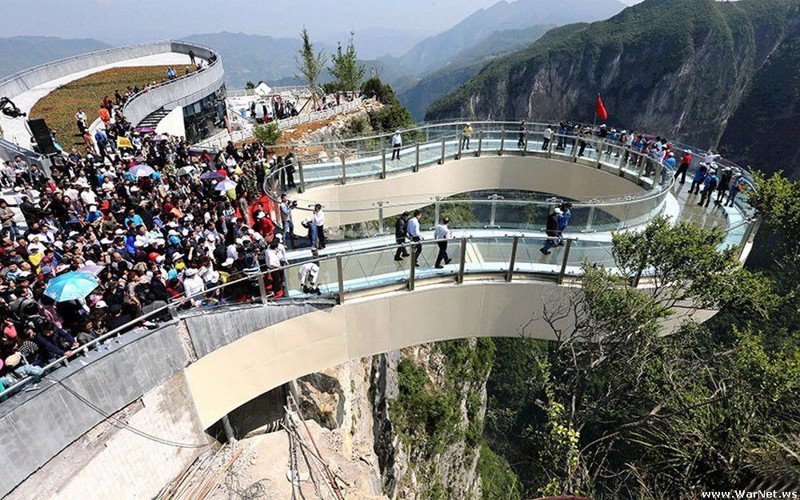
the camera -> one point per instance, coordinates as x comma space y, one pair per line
293, 204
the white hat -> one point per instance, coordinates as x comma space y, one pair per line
177, 255
106, 241
279, 237
190, 271
101, 304
227, 262
119, 232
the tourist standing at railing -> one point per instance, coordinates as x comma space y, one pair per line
551, 229
686, 160
287, 224
289, 160
466, 134
522, 134
699, 175
737, 186
400, 234
442, 232
709, 186
562, 132
397, 143
318, 227
412, 229
547, 137
724, 184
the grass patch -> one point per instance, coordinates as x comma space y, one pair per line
498, 480
59, 106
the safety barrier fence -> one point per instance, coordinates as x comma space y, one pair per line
374, 270
220, 140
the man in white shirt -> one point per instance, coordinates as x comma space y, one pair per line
193, 284
397, 143
88, 197
287, 224
318, 229
442, 232
547, 136
412, 230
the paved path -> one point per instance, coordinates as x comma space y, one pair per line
14, 129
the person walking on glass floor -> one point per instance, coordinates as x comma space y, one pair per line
412, 230
557, 222
400, 233
442, 232
397, 143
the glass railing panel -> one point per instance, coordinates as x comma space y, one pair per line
429, 256
593, 252
374, 269
530, 259
519, 215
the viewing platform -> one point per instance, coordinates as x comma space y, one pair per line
243, 340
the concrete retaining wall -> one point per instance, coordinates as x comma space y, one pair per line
181, 92
37, 425
193, 88
111, 461
22, 81
211, 330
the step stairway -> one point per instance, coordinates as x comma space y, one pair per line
154, 118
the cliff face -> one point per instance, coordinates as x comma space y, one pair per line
408, 423
679, 67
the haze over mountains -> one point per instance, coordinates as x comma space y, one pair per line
714, 74
421, 68
21, 52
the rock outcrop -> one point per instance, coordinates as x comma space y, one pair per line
414, 417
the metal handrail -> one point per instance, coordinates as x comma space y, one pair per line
132, 99
336, 257
600, 145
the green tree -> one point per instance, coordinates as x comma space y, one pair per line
346, 70
383, 92
310, 64
390, 118
269, 133
249, 85
615, 408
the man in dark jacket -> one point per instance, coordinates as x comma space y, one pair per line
400, 234
552, 231
55, 341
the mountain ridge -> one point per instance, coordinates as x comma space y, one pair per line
684, 75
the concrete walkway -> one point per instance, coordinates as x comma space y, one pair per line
14, 129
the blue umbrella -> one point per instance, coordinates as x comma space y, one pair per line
70, 286
211, 175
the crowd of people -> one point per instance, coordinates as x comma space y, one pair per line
151, 220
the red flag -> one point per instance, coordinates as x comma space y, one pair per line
601, 110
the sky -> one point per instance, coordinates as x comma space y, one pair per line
127, 21
124, 21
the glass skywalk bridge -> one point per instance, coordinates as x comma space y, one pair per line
501, 245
